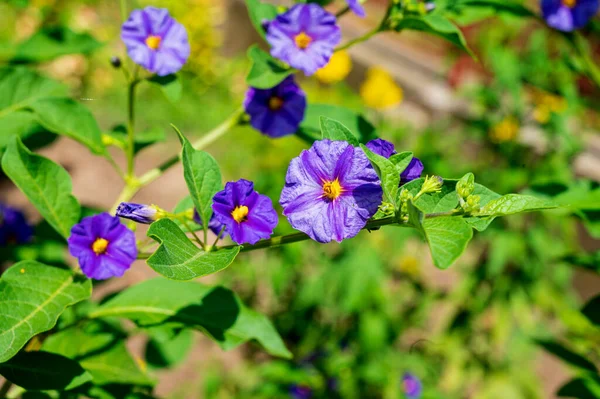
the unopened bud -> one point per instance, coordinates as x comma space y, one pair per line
432, 184
466, 185
115, 62
473, 202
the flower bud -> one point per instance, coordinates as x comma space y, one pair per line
115, 62
473, 202
466, 185
432, 184
140, 213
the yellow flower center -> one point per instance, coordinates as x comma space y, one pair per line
570, 3
275, 103
240, 213
302, 40
153, 42
100, 246
332, 189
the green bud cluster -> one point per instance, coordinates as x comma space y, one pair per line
405, 196
464, 188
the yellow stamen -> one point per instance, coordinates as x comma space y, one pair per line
100, 246
332, 189
240, 213
570, 3
275, 103
302, 40
153, 42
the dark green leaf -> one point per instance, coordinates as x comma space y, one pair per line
335, 131
505, 6
567, 355
592, 310
170, 85
179, 259
390, 178
39, 370
580, 388
310, 128
259, 13
214, 310
67, 117
266, 71
52, 42
167, 350
21, 123
46, 184
32, 297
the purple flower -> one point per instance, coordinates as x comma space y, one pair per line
300, 392
140, 213
568, 15
14, 228
356, 7
330, 191
214, 225
103, 245
304, 37
386, 149
412, 386
278, 111
247, 215
155, 40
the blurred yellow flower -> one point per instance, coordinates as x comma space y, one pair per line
546, 104
337, 69
506, 130
409, 265
379, 90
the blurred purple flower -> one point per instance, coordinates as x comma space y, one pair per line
214, 225
247, 215
14, 228
386, 149
412, 386
300, 392
304, 37
155, 40
356, 7
103, 245
330, 191
568, 15
278, 111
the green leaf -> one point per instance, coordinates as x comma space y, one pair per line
335, 131
216, 311
103, 355
178, 258
592, 310
567, 355
504, 6
266, 71
19, 87
46, 184
170, 85
21, 123
514, 203
203, 178
581, 388
310, 128
69, 118
166, 349
52, 42
437, 25
32, 297
401, 160
260, 12
390, 178
39, 370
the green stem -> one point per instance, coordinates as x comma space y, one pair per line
359, 39
342, 12
130, 189
582, 47
131, 125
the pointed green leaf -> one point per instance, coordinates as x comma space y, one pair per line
259, 13
310, 127
203, 178
266, 71
387, 172
69, 118
44, 371
567, 355
103, 355
401, 160
32, 297
46, 184
592, 310
581, 388
178, 258
335, 131
52, 42
216, 311
514, 203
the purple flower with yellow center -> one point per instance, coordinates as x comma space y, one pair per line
330, 191
386, 149
304, 37
356, 7
568, 15
247, 215
140, 213
103, 245
412, 386
278, 111
156, 41
14, 228
214, 225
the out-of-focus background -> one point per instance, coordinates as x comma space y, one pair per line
359, 315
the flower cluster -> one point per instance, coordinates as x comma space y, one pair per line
14, 228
